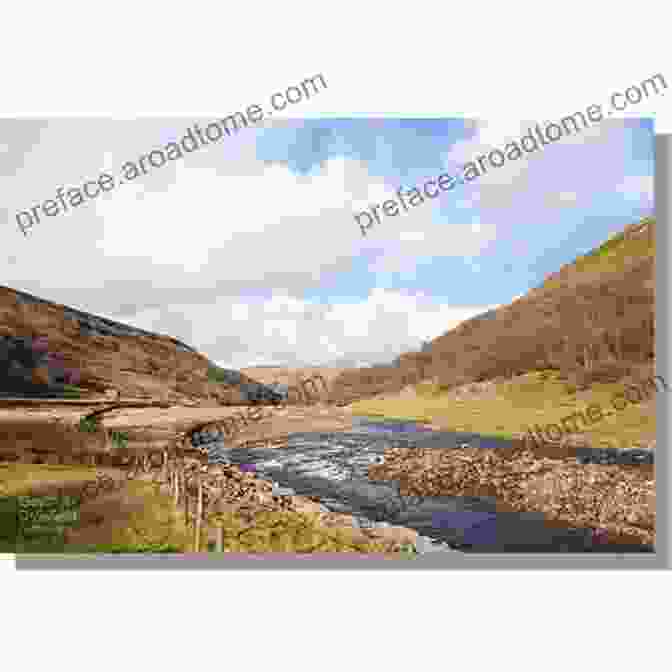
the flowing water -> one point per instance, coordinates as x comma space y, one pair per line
333, 466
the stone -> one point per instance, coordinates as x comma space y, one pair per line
282, 492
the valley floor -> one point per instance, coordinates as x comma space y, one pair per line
508, 408
621, 501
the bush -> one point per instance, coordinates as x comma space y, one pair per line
72, 392
89, 425
119, 439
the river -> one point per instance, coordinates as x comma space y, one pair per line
333, 466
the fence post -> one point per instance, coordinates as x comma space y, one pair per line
186, 506
199, 514
164, 474
219, 545
177, 484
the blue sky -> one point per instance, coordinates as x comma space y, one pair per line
249, 250
536, 236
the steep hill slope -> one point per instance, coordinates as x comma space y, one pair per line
592, 320
45, 346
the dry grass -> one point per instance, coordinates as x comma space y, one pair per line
137, 517
612, 256
538, 397
290, 532
21, 479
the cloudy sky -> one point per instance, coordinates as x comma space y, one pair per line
248, 250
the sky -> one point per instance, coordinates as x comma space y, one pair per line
248, 249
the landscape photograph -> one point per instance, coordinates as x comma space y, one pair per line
377, 336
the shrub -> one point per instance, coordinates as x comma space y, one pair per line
224, 376
408, 551
72, 392
119, 439
89, 425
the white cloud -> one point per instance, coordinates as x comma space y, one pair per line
283, 330
638, 188
497, 187
220, 220
411, 235
561, 198
215, 249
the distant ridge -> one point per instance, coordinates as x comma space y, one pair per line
98, 325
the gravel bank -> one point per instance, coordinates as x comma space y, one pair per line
343, 471
616, 498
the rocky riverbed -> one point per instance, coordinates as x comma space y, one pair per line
362, 473
420, 487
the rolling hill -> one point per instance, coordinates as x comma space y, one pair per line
46, 348
592, 320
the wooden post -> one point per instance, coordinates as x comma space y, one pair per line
178, 476
173, 476
219, 545
199, 514
186, 506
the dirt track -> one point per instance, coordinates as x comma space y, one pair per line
178, 418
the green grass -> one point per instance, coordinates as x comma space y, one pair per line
216, 375
538, 397
382, 418
89, 425
56, 545
119, 439
408, 551
141, 547
72, 392
41, 545
612, 255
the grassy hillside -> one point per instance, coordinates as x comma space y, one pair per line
632, 245
587, 330
593, 320
512, 406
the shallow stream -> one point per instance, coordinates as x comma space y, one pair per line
333, 466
